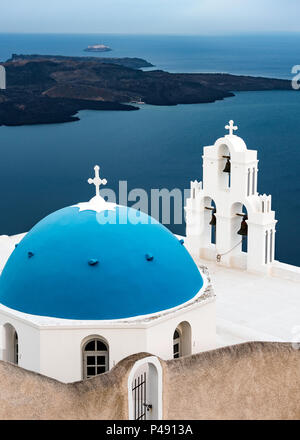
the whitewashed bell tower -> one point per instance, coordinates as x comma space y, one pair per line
226, 219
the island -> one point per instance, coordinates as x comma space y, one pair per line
51, 89
134, 63
98, 48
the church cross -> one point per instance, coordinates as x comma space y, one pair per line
97, 181
231, 127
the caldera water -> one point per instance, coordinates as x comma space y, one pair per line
45, 167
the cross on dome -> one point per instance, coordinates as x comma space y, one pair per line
97, 203
97, 181
231, 127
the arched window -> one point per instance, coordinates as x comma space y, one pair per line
182, 340
95, 357
11, 344
176, 344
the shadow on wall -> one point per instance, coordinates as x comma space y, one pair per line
211, 385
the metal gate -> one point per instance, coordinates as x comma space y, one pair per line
145, 390
139, 391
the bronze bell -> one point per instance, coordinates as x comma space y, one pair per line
227, 168
213, 221
244, 227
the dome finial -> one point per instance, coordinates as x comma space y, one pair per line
97, 203
231, 127
97, 181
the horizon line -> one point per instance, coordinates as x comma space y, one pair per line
248, 33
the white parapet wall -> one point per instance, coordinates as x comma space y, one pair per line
279, 269
287, 271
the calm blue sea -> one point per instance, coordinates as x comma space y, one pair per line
265, 55
44, 168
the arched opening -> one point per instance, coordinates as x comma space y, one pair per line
11, 344
177, 344
182, 340
224, 167
240, 225
95, 352
210, 219
145, 390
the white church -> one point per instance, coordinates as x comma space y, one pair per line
89, 285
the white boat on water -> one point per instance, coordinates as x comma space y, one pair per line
98, 48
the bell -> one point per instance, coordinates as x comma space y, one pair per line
213, 220
244, 227
227, 167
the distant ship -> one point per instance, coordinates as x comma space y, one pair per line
98, 48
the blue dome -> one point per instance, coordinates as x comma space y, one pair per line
76, 265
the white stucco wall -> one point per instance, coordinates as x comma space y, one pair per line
202, 319
61, 348
29, 342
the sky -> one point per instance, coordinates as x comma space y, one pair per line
209, 17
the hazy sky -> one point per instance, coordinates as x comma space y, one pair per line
150, 16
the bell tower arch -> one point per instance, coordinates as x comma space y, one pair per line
244, 221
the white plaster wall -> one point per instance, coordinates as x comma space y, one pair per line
201, 317
61, 349
29, 342
286, 271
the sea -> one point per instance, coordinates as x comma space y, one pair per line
45, 167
